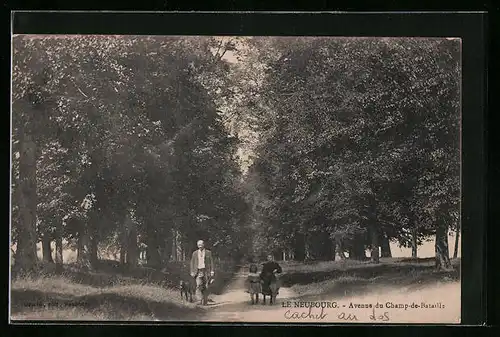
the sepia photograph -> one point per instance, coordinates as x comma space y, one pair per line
267, 179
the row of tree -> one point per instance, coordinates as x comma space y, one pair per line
133, 141
360, 145
119, 141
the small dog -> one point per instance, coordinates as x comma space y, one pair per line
187, 290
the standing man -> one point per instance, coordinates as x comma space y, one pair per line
202, 267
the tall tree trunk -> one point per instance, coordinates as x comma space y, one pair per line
84, 254
385, 247
123, 246
327, 249
185, 248
123, 238
339, 249
94, 248
129, 240
167, 244
153, 253
46, 248
333, 250
123, 253
173, 254
357, 251
132, 249
26, 257
79, 248
414, 243
179, 250
307, 248
315, 246
93, 232
59, 251
375, 257
457, 239
299, 247
441, 248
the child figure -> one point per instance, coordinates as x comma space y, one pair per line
254, 284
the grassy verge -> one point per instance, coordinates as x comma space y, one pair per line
107, 293
60, 298
349, 278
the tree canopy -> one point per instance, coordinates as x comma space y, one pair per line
308, 146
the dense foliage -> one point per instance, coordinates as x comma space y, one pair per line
134, 141
360, 142
130, 125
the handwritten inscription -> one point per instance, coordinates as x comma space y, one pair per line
347, 317
289, 314
379, 317
343, 316
379, 312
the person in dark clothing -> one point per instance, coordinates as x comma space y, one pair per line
268, 274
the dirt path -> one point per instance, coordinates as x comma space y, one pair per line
233, 305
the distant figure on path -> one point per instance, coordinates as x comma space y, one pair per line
202, 267
142, 251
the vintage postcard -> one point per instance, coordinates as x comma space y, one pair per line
235, 179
